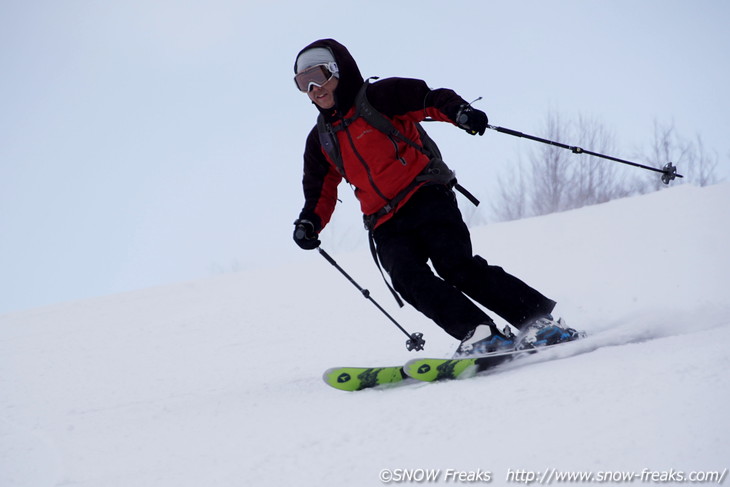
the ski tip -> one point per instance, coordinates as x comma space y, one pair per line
358, 378
340, 378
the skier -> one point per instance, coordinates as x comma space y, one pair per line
412, 214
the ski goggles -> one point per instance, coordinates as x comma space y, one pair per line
316, 75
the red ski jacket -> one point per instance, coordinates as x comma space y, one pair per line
378, 166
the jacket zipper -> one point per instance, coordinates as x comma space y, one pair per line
395, 148
366, 167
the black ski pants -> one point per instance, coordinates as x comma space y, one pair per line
430, 227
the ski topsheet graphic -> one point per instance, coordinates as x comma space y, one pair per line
358, 378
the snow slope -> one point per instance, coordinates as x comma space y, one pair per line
217, 382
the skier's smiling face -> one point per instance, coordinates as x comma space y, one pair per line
324, 96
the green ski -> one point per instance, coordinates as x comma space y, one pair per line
433, 369
358, 378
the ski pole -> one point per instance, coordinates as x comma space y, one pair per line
669, 171
415, 340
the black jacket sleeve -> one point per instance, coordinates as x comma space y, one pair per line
395, 97
319, 182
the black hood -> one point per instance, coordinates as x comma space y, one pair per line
350, 79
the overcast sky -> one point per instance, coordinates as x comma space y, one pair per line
145, 142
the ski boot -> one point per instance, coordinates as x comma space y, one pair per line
546, 331
484, 339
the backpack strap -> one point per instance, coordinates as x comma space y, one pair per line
328, 141
383, 124
374, 252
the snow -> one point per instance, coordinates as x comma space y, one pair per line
218, 382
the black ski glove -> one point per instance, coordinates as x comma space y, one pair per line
472, 120
305, 236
